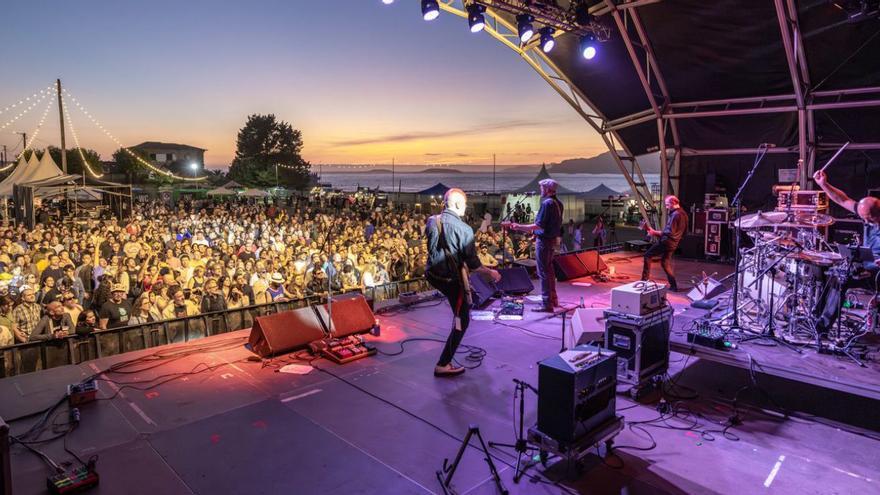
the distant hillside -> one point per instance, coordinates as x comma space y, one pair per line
440, 171
603, 164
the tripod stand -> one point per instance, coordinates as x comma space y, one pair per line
449, 469
521, 446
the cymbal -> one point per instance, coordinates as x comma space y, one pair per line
814, 219
761, 219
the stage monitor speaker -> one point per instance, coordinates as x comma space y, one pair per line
5, 460
707, 289
482, 290
515, 281
569, 266
351, 315
592, 261
285, 332
576, 398
588, 325
529, 264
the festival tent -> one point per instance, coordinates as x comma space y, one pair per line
221, 191
255, 193
33, 170
600, 192
233, 185
438, 189
115, 197
529, 196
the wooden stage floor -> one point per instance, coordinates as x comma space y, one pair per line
218, 423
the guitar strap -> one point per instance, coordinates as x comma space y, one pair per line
464, 284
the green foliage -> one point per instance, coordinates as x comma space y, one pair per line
74, 160
137, 172
265, 145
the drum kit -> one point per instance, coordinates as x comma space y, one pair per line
784, 277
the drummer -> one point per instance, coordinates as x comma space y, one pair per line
868, 209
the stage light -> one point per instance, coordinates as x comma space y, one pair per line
430, 10
588, 46
476, 20
387, 2
194, 166
524, 27
547, 41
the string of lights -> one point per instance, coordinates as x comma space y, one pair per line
76, 140
33, 135
22, 101
12, 120
121, 146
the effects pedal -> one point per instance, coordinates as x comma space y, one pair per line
82, 393
73, 481
704, 334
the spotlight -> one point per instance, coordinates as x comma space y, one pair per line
476, 20
524, 27
430, 10
387, 2
547, 41
588, 46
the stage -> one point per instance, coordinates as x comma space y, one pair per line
220, 423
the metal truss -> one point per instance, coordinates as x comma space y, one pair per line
506, 32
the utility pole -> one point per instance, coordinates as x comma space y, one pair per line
4, 155
493, 173
276, 175
61, 125
392, 175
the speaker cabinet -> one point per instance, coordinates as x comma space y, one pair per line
351, 315
569, 266
482, 290
708, 289
588, 325
575, 399
515, 281
285, 332
592, 261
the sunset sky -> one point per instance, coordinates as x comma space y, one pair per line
364, 82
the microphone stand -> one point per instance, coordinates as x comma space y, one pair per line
521, 446
762, 150
324, 244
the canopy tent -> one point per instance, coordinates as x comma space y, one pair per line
232, 185
255, 193
33, 170
116, 197
572, 204
532, 187
705, 83
438, 189
221, 191
600, 192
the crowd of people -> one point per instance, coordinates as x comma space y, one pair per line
65, 278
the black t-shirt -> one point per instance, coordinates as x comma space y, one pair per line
116, 314
56, 273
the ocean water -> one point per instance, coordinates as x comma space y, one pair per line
504, 182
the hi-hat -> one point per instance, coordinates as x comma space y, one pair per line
814, 219
761, 219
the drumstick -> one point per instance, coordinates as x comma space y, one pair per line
835, 156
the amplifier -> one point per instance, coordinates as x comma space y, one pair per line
638, 298
576, 392
716, 232
802, 200
717, 215
640, 342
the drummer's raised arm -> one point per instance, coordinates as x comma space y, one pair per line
834, 193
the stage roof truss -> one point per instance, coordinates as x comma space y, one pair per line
505, 32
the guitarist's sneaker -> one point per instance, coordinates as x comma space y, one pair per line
448, 370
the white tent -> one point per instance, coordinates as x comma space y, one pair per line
33, 170
255, 193
221, 191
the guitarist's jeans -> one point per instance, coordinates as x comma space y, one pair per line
545, 250
461, 311
664, 251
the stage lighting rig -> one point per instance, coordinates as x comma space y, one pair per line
588, 46
430, 10
476, 19
524, 27
577, 17
547, 40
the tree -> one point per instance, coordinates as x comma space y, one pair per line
264, 146
137, 172
74, 160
